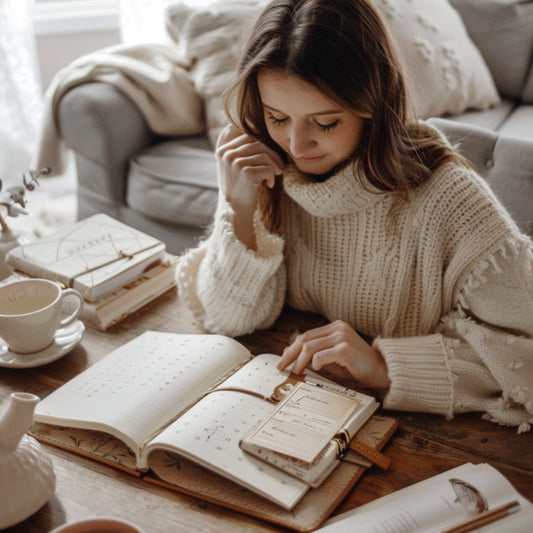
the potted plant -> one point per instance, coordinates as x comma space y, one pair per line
13, 201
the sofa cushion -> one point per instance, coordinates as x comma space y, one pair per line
505, 162
503, 32
447, 72
175, 181
519, 123
491, 119
527, 93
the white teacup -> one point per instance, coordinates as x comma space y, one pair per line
31, 312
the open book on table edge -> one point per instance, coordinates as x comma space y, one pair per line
95, 255
135, 357
437, 503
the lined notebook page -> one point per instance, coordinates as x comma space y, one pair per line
136, 389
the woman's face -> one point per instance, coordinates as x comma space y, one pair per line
315, 132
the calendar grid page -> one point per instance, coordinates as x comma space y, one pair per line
136, 390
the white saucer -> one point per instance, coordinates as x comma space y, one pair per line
64, 341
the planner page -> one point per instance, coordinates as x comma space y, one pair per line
304, 422
209, 434
137, 389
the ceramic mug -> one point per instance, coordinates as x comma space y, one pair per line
99, 525
31, 312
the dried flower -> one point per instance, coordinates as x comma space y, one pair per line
16, 201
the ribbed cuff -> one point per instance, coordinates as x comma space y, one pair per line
240, 289
233, 257
421, 379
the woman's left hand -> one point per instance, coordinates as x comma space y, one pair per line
341, 351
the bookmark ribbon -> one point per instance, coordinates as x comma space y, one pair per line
370, 453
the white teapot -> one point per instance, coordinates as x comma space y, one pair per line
27, 478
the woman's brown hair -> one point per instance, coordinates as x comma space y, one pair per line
344, 49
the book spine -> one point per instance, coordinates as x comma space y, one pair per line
103, 315
17, 260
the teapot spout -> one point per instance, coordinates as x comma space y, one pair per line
17, 419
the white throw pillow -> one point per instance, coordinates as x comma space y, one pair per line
209, 39
445, 71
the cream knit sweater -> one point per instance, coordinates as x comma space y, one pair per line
446, 294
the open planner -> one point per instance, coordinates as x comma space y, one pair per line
174, 408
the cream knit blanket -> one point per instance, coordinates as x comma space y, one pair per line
152, 76
176, 86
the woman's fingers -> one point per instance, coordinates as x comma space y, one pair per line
232, 143
339, 347
244, 164
304, 347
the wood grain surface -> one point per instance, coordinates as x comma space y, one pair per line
424, 445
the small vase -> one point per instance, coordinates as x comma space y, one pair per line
27, 478
8, 240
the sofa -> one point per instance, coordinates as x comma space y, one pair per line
481, 98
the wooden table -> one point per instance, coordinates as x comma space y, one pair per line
423, 446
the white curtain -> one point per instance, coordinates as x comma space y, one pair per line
20, 90
142, 21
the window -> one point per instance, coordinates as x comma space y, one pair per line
71, 16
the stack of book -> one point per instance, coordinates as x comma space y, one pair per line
116, 268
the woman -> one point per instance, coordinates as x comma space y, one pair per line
335, 200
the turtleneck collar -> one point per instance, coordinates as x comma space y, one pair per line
341, 194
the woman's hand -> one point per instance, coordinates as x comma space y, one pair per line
341, 351
244, 164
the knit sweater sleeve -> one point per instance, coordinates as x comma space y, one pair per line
230, 289
481, 356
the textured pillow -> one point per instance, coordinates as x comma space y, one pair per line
209, 39
445, 71
503, 32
